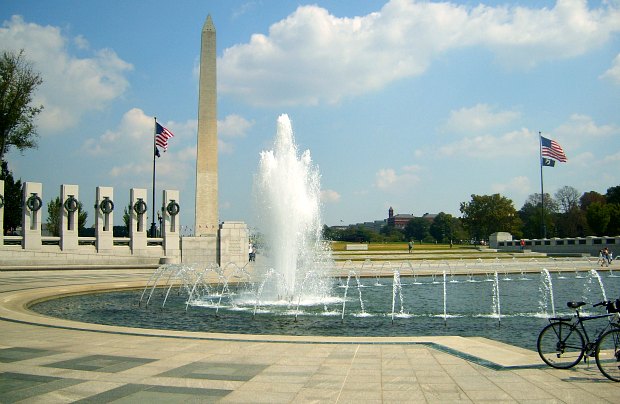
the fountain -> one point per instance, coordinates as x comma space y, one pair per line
287, 195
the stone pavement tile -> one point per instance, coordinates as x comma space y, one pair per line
333, 370
17, 386
488, 395
365, 377
446, 392
356, 396
216, 371
74, 393
403, 396
474, 382
433, 376
576, 396
15, 354
525, 391
316, 383
101, 363
139, 393
297, 369
311, 395
284, 386
254, 396
356, 385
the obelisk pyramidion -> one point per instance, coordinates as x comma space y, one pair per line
206, 223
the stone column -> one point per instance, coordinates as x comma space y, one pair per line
171, 224
69, 197
138, 221
32, 215
104, 219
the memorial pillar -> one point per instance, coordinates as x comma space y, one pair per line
32, 215
104, 219
171, 223
138, 221
68, 215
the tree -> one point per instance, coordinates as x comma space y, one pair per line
417, 229
613, 194
531, 215
446, 227
590, 197
487, 214
12, 199
572, 224
598, 217
567, 198
53, 216
18, 81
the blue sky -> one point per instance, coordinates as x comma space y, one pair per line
410, 104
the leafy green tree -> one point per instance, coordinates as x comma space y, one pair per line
572, 224
613, 227
53, 216
445, 227
390, 233
418, 228
531, 215
12, 199
590, 197
487, 214
598, 217
613, 194
18, 81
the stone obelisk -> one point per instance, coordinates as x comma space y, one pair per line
206, 219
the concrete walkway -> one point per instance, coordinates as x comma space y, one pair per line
53, 361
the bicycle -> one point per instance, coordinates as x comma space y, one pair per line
561, 344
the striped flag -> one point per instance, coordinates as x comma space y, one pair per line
552, 149
161, 137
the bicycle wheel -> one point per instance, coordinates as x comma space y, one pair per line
560, 345
608, 355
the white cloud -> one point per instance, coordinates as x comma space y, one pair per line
130, 147
234, 126
389, 179
582, 127
514, 143
478, 118
71, 86
330, 196
312, 56
519, 185
613, 74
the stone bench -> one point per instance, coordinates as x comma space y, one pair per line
356, 247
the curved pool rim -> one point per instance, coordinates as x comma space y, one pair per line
14, 306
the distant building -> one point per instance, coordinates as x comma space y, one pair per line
398, 221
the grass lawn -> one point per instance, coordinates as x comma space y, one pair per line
340, 246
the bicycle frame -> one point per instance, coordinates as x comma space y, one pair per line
577, 322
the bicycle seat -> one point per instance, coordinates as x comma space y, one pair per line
575, 305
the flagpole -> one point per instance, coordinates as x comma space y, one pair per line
542, 192
153, 228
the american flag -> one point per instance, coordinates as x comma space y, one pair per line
552, 149
161, 137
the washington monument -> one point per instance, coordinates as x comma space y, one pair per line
206, 223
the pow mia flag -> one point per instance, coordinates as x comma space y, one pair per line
546, 162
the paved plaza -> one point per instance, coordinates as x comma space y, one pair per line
55, 361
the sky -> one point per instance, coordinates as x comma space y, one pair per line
414, 105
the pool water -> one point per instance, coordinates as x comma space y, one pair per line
511, 308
